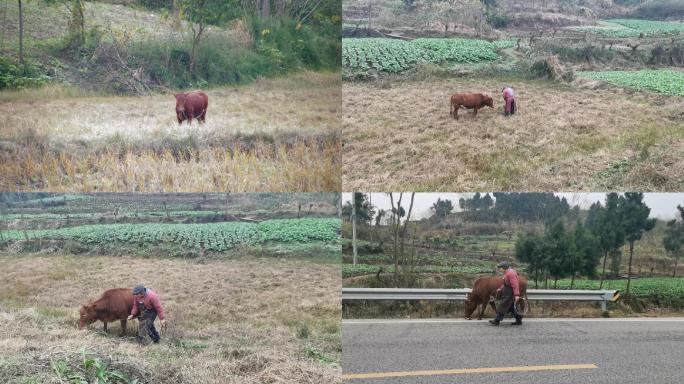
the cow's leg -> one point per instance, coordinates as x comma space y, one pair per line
203, 117
475, 111
105, 326
484, 306
123, 327
456, 107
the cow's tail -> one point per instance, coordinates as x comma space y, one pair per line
526, 310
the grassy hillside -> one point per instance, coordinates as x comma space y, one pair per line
132, 49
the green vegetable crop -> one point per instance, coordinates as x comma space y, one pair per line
666, 82
215, 237
394, 56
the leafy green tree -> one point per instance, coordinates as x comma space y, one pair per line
634, 213
442, 208
606, 224
487, 202
202, 13
674, 238
364, 210
76, 28
531, 249
561, 251
587, 253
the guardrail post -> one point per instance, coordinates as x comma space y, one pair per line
603, 305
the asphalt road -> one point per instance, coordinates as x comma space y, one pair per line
573, 351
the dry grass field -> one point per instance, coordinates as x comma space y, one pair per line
399, 136
229, 321
273, 135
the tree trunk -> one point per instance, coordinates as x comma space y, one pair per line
572, 281
370, 221
21, 34
77, 24
603, 273
195, 44
546, 280
354, 227
176, 15
395, 235
676, 259
265, 9
280, 8
629, 268
403, 232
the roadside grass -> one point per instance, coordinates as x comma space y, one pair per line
236, 321
273, 135
400, 136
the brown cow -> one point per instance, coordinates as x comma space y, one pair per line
469, 100
483, 292
191, 105
115, 304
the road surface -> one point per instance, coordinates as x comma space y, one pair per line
553, 351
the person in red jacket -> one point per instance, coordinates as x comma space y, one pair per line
509, 98
147, 304
510, 295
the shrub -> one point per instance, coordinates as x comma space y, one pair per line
16, 76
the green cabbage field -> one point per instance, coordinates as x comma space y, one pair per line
394, 56
216, 237
666, 82
633, 28
666, 290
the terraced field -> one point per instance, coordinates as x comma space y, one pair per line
394, 56
217, 237
624, 28
663, 81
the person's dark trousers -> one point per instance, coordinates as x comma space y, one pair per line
146, 328
511, 310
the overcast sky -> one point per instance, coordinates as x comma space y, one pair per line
663, 205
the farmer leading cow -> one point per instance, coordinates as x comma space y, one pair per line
148, 305
510, 295
509, 98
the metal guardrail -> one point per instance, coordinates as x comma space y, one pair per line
602, 296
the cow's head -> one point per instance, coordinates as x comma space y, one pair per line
469, 307
180, 101
88, 315
489, 101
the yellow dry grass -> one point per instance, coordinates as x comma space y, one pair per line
273, 135
399, 136
229, 321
